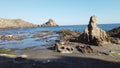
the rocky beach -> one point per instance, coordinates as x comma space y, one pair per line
52, 46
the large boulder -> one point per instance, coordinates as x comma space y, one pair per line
93, 34
50, 23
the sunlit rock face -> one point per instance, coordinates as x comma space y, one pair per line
14, 23
50, 23
93, 34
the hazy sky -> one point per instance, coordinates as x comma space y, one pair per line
64, 12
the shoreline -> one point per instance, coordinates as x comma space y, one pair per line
107, 56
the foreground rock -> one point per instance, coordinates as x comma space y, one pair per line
14, 23
50, 23
62, 48
93, 34
85, 49
71, 47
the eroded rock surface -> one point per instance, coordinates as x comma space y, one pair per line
60, 47
93, 34
85, 49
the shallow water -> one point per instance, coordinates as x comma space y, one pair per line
41, 41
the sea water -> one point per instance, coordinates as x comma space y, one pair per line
39, 42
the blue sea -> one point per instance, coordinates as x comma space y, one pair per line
41, 42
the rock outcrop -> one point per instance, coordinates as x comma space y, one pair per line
10, 37
114, 35
114, 32
50, 23
69, 35
14, 23
93, 34
62, 48
85, 49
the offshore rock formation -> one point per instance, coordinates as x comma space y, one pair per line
14, 23
93, 34
50, 23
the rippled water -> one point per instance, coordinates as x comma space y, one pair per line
39, 42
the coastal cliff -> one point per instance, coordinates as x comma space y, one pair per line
14, 23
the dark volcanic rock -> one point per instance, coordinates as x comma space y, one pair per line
93, 34
114, 32
69, 35
50, 23
115, 35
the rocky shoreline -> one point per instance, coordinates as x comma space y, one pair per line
93, 48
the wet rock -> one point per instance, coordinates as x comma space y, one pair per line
6, 37
42, 34
50, 23
84, 49
69, 32
93, 34
60, 47
10, 37
69, 36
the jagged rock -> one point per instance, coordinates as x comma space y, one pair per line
14, 23
50, 23
93, 34
85, 49
60, 47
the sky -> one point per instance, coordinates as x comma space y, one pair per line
64, 12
